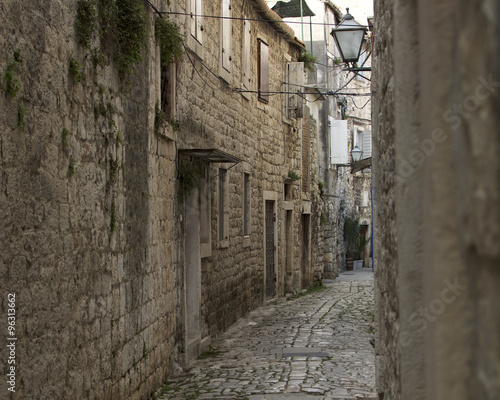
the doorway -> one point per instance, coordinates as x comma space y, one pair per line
306, 253
192, 258
270, 248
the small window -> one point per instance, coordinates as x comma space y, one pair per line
246, 204
168, 89
246, 54
226, 35
205, 216
223, 205
288, 192
263, 72
196, 12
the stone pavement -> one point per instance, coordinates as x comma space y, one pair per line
316, 347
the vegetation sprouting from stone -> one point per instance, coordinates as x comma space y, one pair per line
11, 83
86, 21
293, 175
354, 241
161, 118
65, 135
314, 288
123, 31
169, 39
75, 69
189, 179
21, 112
308, 59
132, 33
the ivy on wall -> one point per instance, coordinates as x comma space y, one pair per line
123, 31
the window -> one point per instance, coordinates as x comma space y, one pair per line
294, 75
168, 90
226, 35
331, 24
246, 204
223, 205
338, 141
205, 215
196, 11
246, 54
263, 72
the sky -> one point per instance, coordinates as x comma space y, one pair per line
359, 9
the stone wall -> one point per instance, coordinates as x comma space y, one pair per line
92, 230
435, 115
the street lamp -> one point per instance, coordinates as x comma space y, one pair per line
356, 154
349, 35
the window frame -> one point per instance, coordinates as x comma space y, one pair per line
263, 71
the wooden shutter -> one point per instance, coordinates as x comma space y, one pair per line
295, 78
197, 19
246, 54
192, 10
226, 34
263, 72
367, 144
338, 141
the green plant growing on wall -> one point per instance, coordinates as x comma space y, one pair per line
113, 221
322, 187
132, 33
145, 351
114, 165
308, 59
322, 219
21, 112
170, 40
354, 241
123, 31
293, 175
75, 69
161, 117
65, 135
119, 139
86, 21
73, 165
189, 179
11, 83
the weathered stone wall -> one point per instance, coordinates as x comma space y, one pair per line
92, 230
213, 116
86, 218
437, 173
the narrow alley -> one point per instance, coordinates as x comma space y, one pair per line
315, 346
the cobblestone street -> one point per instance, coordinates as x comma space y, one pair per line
315, 346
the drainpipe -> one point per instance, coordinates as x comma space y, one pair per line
371, 244
302, 19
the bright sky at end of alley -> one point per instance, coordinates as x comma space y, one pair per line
359, 9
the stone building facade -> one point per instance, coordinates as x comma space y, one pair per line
343, 120
128, 243
435, 117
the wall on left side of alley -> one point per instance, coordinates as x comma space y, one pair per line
82, 175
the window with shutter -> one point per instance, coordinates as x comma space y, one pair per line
295, 78
226, 35
263, 72
338, 141
196, 11
367, 144
246, 54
